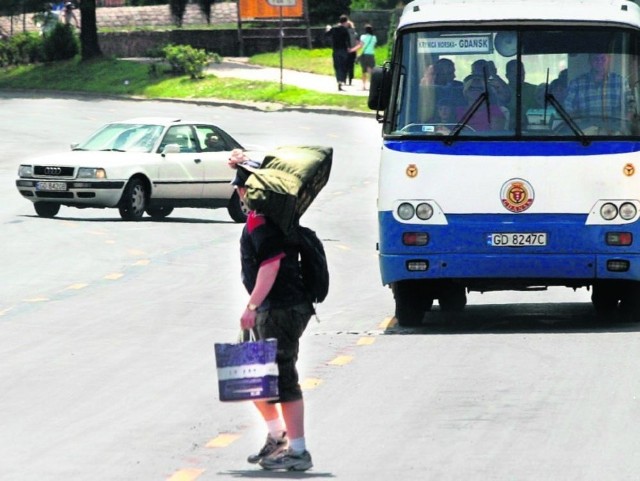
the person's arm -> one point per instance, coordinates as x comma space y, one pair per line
265, 279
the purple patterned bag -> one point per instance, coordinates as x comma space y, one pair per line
247, 371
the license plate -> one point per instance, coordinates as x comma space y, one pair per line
517, 239
57, 186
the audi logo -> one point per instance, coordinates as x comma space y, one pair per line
52, 170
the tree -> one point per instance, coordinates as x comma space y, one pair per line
178, 7
323, 12
205, 8
90, 48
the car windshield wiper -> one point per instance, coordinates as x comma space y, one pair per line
483, 97
549, 98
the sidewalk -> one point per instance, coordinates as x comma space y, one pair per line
238, 67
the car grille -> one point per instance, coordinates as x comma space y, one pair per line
52, 171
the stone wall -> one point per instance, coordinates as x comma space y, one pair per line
139, 43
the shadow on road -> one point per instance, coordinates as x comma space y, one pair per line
519, 318
263, 474
166, 220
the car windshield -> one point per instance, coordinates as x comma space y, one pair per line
124, 138
534, 82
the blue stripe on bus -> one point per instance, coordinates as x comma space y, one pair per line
513, 148
461, 249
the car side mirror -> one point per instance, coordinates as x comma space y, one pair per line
380, 89
171, 149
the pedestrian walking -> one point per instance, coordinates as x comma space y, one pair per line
341, 47
368, 43
279, 308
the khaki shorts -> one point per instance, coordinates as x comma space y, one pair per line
286, 325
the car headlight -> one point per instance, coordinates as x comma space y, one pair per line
424, 211
608, 211
405, 211
91, 173
628, 211
25, 171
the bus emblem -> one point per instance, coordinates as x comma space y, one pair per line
412, 170
516, 195
629, 170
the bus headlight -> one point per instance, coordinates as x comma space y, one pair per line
424, 211
628, 211
608, 211
406, 211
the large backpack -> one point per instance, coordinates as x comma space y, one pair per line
313, 264
286, 183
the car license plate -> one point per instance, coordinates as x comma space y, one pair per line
57, 186
517, 239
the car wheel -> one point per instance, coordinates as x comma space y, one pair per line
452, 299
46, 209
237, 209
158, 213
605, 298
134, 200
412, 302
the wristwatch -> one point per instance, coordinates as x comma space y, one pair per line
252, 307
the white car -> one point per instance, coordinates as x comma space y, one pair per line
150, 165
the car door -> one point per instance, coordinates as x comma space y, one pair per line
216, 146
181, 174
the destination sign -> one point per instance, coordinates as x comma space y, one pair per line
456, 45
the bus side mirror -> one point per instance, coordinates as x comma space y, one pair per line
380, 89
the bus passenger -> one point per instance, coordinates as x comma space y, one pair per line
498, 88
599, 93
473, 88
444, 77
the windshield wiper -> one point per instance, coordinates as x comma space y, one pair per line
483, 97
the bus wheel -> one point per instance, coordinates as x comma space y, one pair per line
452, 299
605, 298
630, 302
411, 303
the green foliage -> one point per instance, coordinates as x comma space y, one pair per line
186, 59
323, 12
61, 43
373, 4
22, 48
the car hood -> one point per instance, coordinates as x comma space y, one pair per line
84, 158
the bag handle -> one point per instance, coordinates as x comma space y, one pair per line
247, 335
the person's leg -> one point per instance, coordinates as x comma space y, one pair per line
293, 414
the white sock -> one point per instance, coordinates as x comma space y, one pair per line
297, 445
276, 428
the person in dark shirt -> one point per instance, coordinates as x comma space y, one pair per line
278, 308
341, 48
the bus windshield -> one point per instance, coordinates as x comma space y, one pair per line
526, 82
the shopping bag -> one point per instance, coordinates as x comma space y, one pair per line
247, 371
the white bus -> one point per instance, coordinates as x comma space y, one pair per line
511, 136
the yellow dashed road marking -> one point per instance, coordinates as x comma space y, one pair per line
388, 322
142, 262
310, 383
137, 252
114, 276
341, 360
188, 474
222, 441
76, 287
343, 247
366, 341
4, 311
37, 299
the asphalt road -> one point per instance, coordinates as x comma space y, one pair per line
107, 332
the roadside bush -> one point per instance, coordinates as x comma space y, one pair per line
22, 48
61, 43
186, 59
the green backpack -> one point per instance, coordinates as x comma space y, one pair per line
286, 183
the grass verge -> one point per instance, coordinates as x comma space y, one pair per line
131, 78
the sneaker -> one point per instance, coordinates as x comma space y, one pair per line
288, 460
272, 447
